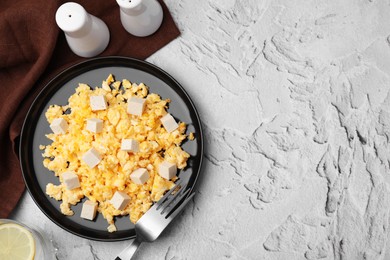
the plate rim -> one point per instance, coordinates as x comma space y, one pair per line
81, 64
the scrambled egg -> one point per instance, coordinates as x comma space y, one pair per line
113, 172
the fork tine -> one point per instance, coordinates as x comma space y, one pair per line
173, 214
162, 200
172, 198
177, 198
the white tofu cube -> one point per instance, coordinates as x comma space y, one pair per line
71, 180
169, 123
92, 158
59, 126
136, 106
94, 125
130, 145
139, 176
98, 103
167, 170
89, 210
120, 200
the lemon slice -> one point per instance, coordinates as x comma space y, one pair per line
16, 243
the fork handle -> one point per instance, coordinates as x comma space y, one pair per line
129, 251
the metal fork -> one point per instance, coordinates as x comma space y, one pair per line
149, 227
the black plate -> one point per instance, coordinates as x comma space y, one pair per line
92, 72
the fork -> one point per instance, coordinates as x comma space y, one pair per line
149, 227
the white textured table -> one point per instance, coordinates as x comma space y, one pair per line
294, 100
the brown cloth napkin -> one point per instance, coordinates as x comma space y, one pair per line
32, 51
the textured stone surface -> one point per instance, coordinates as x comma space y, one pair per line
294, 96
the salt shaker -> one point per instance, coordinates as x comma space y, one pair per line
86, 34
140, 17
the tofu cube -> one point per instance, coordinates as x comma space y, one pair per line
71, 180
136, 106
120, 200
94, 125
59, 126
98, 103
169, 123
167, 170
130, 145
92, 158
89, 210
139, 176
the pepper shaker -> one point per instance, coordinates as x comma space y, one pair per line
86, 34
140, 17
